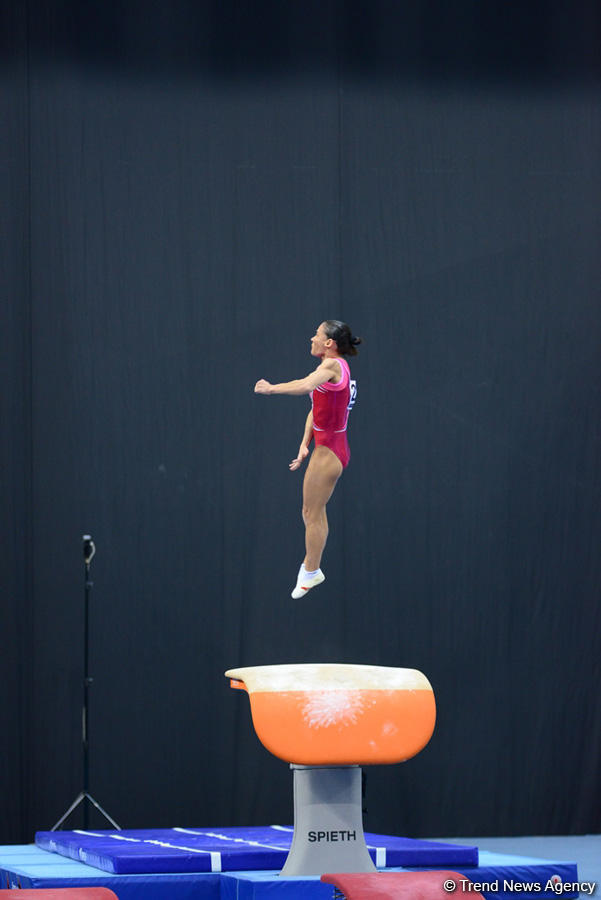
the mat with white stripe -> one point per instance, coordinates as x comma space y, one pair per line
238, 849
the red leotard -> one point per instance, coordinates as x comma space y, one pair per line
331, 407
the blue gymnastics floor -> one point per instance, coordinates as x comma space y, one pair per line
30, 866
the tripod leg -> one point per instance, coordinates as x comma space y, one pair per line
103, 811
79, 799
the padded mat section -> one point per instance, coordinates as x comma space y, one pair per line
514, 876
228, 849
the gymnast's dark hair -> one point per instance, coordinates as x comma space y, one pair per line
346, 342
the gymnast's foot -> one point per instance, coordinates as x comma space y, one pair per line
306, 581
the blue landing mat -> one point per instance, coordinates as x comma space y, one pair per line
512, 872
175, 850
30, 867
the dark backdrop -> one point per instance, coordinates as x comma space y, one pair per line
187, 191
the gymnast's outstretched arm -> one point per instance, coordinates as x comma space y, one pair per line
325, 371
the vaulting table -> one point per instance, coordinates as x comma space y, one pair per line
327, 720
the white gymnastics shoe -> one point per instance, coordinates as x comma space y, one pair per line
306, 582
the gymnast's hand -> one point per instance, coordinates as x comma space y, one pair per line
302, 455
263, 387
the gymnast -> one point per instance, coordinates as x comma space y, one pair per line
332, 397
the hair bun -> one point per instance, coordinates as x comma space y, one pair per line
341, 333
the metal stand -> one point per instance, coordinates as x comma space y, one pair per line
328, 822
84, 796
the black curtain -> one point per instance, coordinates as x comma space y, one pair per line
187, 192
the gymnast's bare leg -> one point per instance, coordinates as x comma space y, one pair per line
322, 473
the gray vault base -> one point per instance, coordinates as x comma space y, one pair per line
328, 822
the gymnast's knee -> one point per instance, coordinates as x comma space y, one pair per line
312, 513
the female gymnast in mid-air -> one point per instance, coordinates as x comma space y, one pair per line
332, 397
